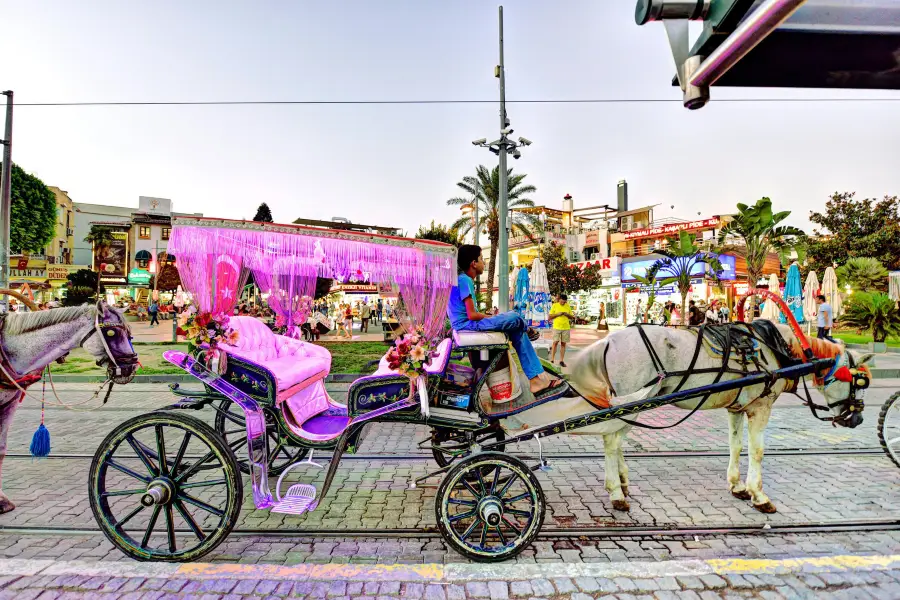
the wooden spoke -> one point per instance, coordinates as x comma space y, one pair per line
127, 471
194, 467
170, 528
463, 502
511, 525
484, 530
150, 526
198, 484
519, 513
161, 450
182, 510
124, 492
128, 517
470, 488
139, 450
470, 529
200, 504
496, 477
517, 498
462, 516
500, 533
181, 450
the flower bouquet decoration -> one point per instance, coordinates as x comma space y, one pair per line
206, 331
298, 318
412, 352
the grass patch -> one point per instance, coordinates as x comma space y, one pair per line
856, 338
79, 362
351, 357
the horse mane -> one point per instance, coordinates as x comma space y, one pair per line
20, 323
820, 348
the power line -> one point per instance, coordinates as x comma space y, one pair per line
401, 102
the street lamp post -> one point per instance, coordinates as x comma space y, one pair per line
501, 148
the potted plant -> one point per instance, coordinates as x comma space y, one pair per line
873, 312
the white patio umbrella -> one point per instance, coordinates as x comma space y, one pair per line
832, 292
770, 308
810, 289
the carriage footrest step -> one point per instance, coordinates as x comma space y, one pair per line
299, 499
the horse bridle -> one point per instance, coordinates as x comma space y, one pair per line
858, 378
105, 330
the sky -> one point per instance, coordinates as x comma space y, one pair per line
396, 165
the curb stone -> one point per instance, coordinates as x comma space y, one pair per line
452, 573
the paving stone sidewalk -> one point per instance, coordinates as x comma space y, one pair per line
828, 577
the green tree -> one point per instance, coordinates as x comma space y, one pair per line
873, 312
851, 228
652, 283
100, 237
758, 228
32, 213
263, 214
484, 189
562, 278
439, 232
679, 265
863, 274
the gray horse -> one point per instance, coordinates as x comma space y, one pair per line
33, 340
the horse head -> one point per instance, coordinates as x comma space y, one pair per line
844, 388
109, 341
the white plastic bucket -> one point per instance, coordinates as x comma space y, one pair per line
500, 386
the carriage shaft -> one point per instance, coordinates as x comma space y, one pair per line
624, 410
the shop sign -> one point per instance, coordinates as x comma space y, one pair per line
609, 264
22, 263
591, 238
667, 290
139, 277
629, 270
546, 237
25, 272
110, 261
56, 272
671, 228
355, 288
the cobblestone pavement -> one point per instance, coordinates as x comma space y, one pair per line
829, 577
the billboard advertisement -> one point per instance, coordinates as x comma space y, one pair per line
111, 261
629, 270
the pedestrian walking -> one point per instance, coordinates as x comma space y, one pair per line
824, 319
365, 313
154, 312
379, 310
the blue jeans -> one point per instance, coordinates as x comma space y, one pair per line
515, 329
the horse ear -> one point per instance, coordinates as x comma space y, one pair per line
102, 307
865, 359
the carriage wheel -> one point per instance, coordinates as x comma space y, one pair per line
164, 486
449, 444
231, 424
889, 428
495, 516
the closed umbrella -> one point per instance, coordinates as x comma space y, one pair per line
793, 294
810, 291
520, 296
894, 285
770, 309
538, 296
513, 277
832, 292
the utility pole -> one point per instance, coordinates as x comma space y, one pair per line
5, 190
503, 250
501, 148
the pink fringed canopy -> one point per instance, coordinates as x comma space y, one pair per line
214, 256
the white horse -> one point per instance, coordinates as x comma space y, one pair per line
30, 341
618, 369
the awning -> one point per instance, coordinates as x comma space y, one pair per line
143, 255
35, 285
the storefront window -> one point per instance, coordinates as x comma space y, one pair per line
144, 232
165, 232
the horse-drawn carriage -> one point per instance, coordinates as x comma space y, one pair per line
167, 485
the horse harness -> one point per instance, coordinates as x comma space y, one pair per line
10, 379
741, 342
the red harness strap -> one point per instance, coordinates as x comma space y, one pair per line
22, 380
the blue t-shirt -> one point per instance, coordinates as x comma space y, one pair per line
456, 308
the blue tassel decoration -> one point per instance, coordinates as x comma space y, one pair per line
40, 442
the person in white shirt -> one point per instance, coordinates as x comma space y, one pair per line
712, 314
824, 319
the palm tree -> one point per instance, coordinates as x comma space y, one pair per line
863, 274
759, 228
100, 237
680, 262
652, 284
484, 189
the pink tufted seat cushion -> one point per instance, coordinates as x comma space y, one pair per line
294, 363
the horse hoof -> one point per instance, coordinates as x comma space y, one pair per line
742, 495
621, 505
6, 506
765, 507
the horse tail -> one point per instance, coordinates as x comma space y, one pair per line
589, 375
